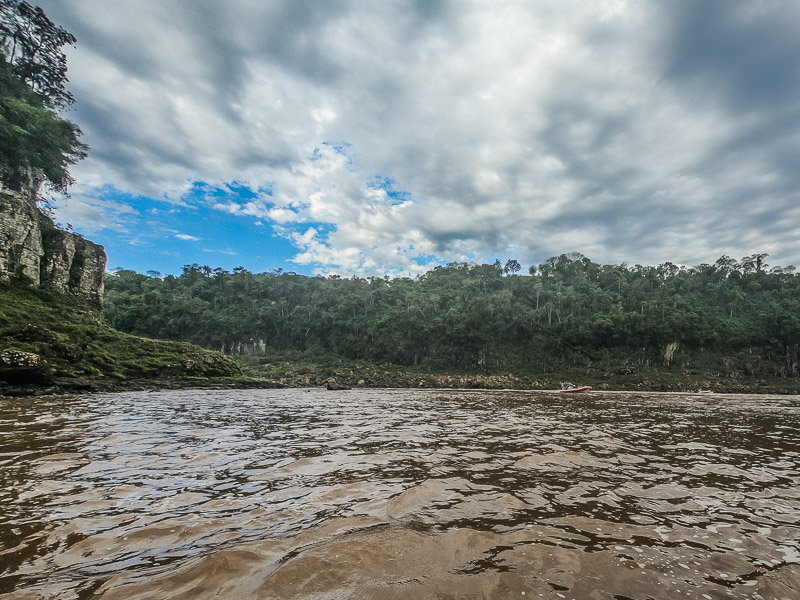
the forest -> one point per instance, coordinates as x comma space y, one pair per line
731, 318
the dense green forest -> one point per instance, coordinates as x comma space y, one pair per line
731, 318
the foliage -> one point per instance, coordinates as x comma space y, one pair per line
571, 313
32, 45
36, 144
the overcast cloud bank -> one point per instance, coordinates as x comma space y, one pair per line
390, 137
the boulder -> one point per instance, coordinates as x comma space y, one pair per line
22, 367
332, 384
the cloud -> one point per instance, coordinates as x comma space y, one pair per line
428, 131
187, 237
93, 208
229, 252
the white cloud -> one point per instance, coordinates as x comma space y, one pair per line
93, 213
229, 252
187, 237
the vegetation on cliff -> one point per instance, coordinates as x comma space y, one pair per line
38, 146
732, 320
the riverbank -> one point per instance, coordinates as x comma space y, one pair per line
375, 378
83, 385
54, 344
386, 377
297, 370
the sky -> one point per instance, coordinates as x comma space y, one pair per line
374, 138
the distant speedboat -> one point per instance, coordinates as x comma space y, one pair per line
580, 388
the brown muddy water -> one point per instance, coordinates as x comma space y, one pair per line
400, 494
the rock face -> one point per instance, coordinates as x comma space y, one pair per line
34, 250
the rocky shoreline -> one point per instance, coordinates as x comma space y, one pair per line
346, 379
388, 379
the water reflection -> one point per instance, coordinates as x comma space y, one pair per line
399, 494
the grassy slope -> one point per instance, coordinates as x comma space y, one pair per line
75, 342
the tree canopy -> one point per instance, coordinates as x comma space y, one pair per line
462, 316
32, 45
36, 144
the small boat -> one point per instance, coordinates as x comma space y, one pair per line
580, 388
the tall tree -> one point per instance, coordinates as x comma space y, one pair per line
32, 45
512, 267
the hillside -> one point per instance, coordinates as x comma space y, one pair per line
49, 340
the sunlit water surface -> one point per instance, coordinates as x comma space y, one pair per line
400, 494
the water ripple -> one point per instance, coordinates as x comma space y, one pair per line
400, 493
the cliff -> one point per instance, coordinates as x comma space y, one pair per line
34, 250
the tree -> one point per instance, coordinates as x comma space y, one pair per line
469, 317
32, 45
36, 145
512, 267
754, 262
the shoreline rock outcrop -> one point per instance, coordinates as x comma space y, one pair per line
22, 367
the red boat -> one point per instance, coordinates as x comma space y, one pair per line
582, 388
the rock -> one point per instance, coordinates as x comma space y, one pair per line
73, 384
22, 367
333, 385
73, 264
34, 333
34, 250
21, 246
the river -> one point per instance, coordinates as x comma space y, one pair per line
400, 494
